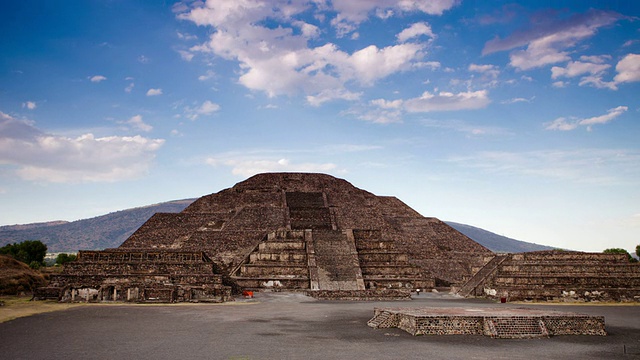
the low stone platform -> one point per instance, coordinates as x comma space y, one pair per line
494, 322
361, 295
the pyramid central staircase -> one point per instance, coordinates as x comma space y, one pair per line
311, 254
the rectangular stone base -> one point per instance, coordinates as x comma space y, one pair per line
363, 295
494, 322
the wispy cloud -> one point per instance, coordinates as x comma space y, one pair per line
586, 165
154, 92
206, 108
549, 41
566, 124
97, 78
250, 165
447, 101
129, 88
414, 31
464, 127
517, 100
29, 105
136, 122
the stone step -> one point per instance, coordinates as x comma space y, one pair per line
295, 257
252, 270
366, 257
271, 282
552, 280
397, 270
278, 246
590, 293
382, 320
515, 327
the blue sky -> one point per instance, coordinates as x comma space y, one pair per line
519, 118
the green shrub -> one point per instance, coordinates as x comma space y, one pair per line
27, 251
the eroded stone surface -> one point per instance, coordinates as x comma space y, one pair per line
280, 231
495, 322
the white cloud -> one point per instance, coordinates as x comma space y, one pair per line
97, 78
129, 88
603, 119
585, 165
44, 157
562, 124
628, 69
446, 101
154, 92
185, 36
206, 108
597, 82
186, 55
331, 94
565, 124
387, 104
575, 68
550, 43
280, 61
352, 13
592, 67
29, 105
247, 166
415, 30
517, 100
378, 115
309, 31
463, 127
206, 76
488, 70
136, 121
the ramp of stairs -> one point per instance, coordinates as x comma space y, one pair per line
478, 278
383, 320
515, 327
337, 262
278, 262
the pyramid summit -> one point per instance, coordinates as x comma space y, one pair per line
294, 231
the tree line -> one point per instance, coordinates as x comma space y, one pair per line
32, 253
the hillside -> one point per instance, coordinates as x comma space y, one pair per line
111, 230
106, 231
495, 242
17, 277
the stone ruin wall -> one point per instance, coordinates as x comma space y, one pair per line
119, 275
229, 225
565, 276
496, 323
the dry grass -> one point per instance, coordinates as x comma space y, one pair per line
20, 306
16, 277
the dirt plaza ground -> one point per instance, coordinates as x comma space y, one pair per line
293, 326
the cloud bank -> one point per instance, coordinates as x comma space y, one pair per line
42, 157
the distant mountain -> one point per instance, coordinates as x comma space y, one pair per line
495, 242
106, 231
111, 230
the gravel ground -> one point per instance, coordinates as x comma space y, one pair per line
293, 326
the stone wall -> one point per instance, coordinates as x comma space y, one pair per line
563, 275
496, 323
118, 275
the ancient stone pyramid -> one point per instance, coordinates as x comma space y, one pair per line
313, 231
